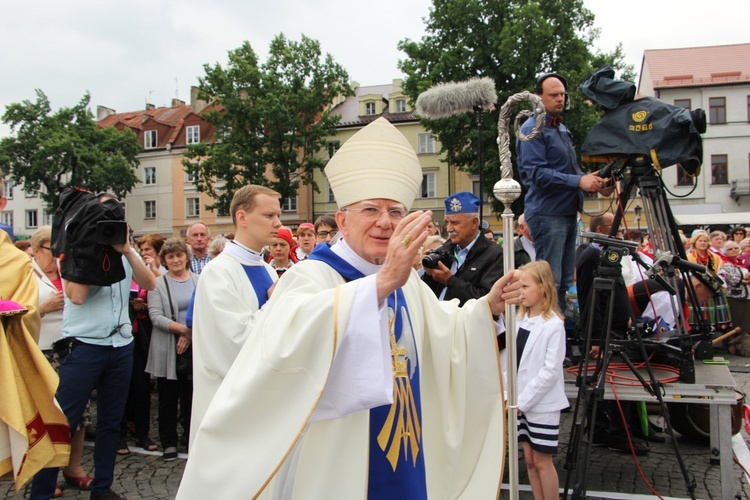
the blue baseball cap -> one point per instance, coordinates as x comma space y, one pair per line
462, 202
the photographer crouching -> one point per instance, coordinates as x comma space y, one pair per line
468, 265
97, 263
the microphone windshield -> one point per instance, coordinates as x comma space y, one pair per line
446, 99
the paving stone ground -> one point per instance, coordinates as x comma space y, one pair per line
146, 476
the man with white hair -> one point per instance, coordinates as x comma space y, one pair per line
475, 262
198, 236
357, 382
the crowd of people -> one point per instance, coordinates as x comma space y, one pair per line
356, 356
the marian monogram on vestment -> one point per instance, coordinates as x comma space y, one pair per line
402, 424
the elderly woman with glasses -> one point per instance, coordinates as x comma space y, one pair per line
51, 304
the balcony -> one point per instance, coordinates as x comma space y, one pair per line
740, 187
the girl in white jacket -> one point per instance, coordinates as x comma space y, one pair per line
541, 393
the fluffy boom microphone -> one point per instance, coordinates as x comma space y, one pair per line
446, 99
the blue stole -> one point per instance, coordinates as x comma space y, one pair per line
396, 468
260, 280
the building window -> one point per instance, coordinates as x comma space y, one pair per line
149, 139
31, 219
331, 197
30, 193
426, 143
331, 149
717, 110
401, 106
683, 179
7, 218
719, 170
149, 209
149, 176
370, 108
193, 207
193, 134
49, 217
748, 109
289, 204
190, 178
428, 186
683, 103
8, 189
222, 211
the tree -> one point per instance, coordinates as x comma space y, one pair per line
48, 152
511, 41
275, 116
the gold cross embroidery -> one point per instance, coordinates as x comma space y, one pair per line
404, 408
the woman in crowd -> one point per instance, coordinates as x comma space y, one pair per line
137, 417
306, 240
169, 357
217, 246
738, 234
737, 279
282, 251
149, 246
745, 253
715, 309
51, 304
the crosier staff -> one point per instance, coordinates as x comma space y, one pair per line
507, 190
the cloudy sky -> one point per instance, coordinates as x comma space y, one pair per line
127, 53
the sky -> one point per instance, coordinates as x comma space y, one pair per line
128, 53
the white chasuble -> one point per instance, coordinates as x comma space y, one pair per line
291, 419
226, 306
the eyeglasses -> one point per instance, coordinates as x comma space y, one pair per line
324, 234
376, 213
46, 248
733, 248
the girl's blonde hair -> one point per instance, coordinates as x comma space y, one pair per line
541, 273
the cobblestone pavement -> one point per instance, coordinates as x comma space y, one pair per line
145, 475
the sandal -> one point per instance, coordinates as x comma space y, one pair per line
82, 483
147, 444
58, 492
122, 448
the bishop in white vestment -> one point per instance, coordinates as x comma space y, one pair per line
356, 382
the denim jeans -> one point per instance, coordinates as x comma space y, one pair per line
555, 241
107, 369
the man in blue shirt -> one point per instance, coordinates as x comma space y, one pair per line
549, 170
101, 357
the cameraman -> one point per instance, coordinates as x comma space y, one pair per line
475, 261
100, 356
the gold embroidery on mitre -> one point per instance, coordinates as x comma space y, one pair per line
407, 426
455, 205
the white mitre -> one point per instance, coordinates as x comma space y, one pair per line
377, 162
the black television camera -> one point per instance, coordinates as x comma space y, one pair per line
84, 229
434, 257
111, 232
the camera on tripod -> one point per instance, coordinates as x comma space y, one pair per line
434, 257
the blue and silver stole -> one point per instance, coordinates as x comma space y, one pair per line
396, 468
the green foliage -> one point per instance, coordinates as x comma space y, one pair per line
51, 151
274, 116
511, 41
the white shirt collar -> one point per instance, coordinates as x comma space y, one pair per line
344, 251
245, 255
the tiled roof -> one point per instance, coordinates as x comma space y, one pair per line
698, 66
170, 122
349, 109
